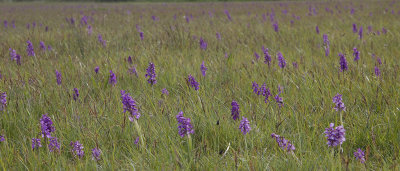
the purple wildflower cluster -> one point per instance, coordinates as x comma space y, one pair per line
165, 91
3, 101
77, 149
113, 79
339, 105
46, 126
130, 105
335, 136
282, 62
359, 155
192, 82
267, 57
263, 90
356, 54
29, 49
235, 110
185, 126
96, 153
203, 44
203, 69
53, 145
326, 43
343, 62
283, 143
101, 40
2, 138
151, 73
244, 126
36, 143
58, 77
76, 94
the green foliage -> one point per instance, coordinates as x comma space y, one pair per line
97, 118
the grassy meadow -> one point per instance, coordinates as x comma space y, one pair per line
177, 38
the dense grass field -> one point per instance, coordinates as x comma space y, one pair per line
241, 44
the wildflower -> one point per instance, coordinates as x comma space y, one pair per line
3, 101
203, 44
100, 38
53, 144
2, 138
141, 35
335, 136
165, 91
359, 155
228, 15
36, 143
192, 82
267, 57
256, 88
295, 64
244, 126
113, 78
218, 36
77, 149
256, 55
58, 77
282, 62
279, 100
96, 152
96, 70
339, 105
42, 46
129, 105
203, 69
13, 54
46, 126
377, 71
360, 33
151, 73
235, 110
29, 49
89, 30
343, 62
354, 28
49, 48
276, 27
317, 29
130, 60
185, 127
283, 143
356, 54
76, 94
132, 70
137, 141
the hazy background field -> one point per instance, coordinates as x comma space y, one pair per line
371, 118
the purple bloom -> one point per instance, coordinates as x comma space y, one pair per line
113, 78
218, 36
203, 69
103, 42
244, 126
356, 54
46, 126
36, 143
130, 60
129, 105
29, 49
192, 82
141, 35
165, 91
77, 149
203, 44
58, 77
283, 143
355, 28
18, 59
96, 152
13, 54
265, 92
53, 144
256, 88
343, 63
89, 30
384, 31
378, 59
267, 57
151, 73
42, 46
359, 155
185, 127
377, 71
2, 138
335, 136
256, 55
76, 94
295, 65
282, 62
279, 100
49, 48
276, 27
235, 110
317, 29
3, 101
326, 40
228, 15
360, 33
132, 70
137, 141
96, 70
339, 105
